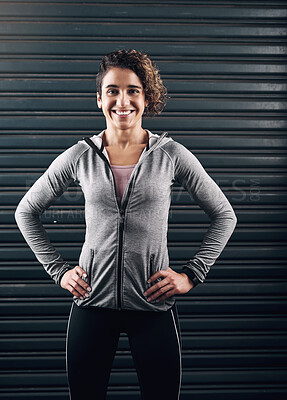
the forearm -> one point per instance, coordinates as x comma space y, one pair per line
210, 198
43, 193
36, 237
214, 242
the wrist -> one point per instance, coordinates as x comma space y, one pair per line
191, 283
191, 275
62, 273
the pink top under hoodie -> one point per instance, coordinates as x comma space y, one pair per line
122, 175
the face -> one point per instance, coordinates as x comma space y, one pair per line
122, 91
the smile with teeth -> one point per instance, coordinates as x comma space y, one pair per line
122, 113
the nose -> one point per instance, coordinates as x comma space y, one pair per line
123, 99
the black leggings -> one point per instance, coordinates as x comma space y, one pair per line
155, 344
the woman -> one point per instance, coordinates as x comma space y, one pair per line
123, 282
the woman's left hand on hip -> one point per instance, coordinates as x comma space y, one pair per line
172, 283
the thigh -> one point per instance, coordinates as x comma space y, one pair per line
155, 343
92, 339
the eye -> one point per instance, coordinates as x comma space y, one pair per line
112, 91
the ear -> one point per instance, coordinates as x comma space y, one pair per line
99, 101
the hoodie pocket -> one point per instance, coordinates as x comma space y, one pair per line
89, 266
151, 267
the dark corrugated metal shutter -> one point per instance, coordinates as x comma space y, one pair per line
224, 63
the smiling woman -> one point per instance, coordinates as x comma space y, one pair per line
148, 75
123, 282
129, 86
122, 101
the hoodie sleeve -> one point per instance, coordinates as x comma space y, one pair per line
43, 193
202, 188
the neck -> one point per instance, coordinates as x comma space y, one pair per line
124, 138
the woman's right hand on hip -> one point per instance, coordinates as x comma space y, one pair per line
72, 281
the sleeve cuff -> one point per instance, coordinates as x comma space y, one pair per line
191, 275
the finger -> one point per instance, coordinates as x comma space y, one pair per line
151, 290
80, 281
78, 277
159, 275
80, 271
165, 296
83, 292
156, 286
79, 288
160, 292
74, 291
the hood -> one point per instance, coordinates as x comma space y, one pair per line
154, 141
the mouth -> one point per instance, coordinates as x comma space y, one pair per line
123, 114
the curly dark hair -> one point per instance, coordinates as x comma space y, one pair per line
145, 69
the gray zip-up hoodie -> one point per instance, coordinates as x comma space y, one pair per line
126, 243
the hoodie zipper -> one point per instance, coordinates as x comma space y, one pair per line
151, 269
89, 279
120, 209
121, 231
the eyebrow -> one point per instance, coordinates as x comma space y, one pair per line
130, 86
